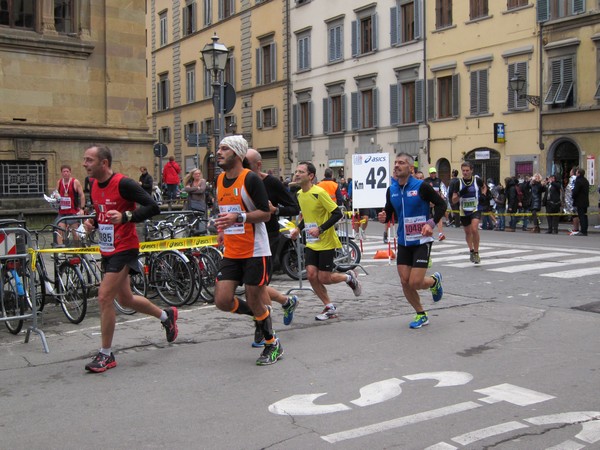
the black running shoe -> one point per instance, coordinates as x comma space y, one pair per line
270, 354
170, 325
101, 363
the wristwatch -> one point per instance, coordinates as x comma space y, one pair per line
241, 218
129, 216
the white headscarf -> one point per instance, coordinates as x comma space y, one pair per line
237, 143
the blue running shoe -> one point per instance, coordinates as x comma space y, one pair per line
420, 321
437, 291
288, 311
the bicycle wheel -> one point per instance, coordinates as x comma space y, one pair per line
13, 304
139, 286
195, 265
208, 272
73, 293
289, 263
171, 275
348, 256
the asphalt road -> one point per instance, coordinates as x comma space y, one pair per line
510, 360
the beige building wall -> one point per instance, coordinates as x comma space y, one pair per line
490, 43
61, 92
250, 26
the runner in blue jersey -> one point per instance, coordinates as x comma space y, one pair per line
409, 200
470, 187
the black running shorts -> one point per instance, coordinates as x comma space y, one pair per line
465, 221
414, 255
251, 271
115, 263
322, 259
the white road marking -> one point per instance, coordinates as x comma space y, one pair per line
483, 433
399, 422
567, 445
515, 260
379, 392
303, 405
447, 378
573, 273
546, 265
512, 394
590, 423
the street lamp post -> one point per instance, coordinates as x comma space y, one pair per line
517, 84
214, 57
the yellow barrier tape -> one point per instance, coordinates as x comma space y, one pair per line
146, 247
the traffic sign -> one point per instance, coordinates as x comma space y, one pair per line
370, 179
160, 150
229, 98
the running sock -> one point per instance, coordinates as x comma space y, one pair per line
163, 316
106, 351
286, 304
265, 323
348, 278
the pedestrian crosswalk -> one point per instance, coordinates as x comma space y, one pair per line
537, 260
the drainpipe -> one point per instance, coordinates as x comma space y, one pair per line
426, 96
540, 90
288, 83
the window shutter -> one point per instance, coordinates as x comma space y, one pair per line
555, 72
185, 14
543, 10
310, 118
307, 53
375, 30
394, 21
167, 95
300, 51
354, 111
273, 62
158, 97
456, 95
338, 42
332, 45
232, 72
522, 68
325, 115
577, 6
394, 106
193, 18
343, 112
512, 95
207, 12
259, 66
232, 7
597, 94
295, 124
274, 117
430, 99
355, 36
375, 111
419, 101
220, 16
474, 85
418, 18
483, 92
567, 81
259, 122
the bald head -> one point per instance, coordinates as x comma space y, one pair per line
255, 160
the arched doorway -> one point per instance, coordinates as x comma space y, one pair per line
443, 170
486, 163
563, 156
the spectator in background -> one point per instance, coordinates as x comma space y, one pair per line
146, 180
453, 187
170, 177
512, 202
525, 189
538, 187
499, 196
195, 186
72, 200
439, 187
554, 196
581, 200
569, 205
331, 186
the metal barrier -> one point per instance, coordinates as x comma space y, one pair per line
15, 243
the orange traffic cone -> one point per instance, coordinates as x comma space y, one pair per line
385, 254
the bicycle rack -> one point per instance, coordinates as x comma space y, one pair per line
14, 244
299, 250
345, 233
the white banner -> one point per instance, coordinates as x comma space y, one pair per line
370, 179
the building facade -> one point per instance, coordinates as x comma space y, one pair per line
357, 74
180, 90
72, 74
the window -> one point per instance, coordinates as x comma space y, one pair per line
516, 4
18, 14
229, 73
562, 83
555, 9
479, 92
478, 9
443, 13
447, 96
303, 48
207, 12
266, 63
190, 128
266, 117
189, 18
406, 21
226, 8
335, 48
162, 17
207, 126
364, 109
64, 16
208, 90
514, 102
302, 119
334, 114
164, 135
162, 92
364, 35
597, 94
190, 83
406, 102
